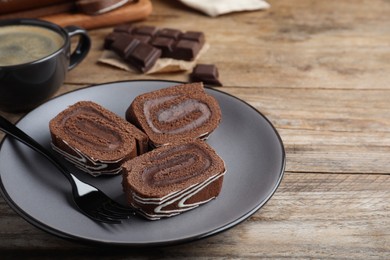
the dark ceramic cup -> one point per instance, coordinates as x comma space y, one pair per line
35, 57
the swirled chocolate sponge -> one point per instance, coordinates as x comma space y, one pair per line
182, 112
173, 179
95, 139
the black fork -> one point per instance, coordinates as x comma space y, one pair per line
89, 200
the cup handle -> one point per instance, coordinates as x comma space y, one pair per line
83, 45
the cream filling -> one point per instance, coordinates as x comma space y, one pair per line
81, 161
176, 112
180, 197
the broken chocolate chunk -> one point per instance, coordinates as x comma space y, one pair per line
143, 38
169, 33
125, 28
207, 73
146, 30
110, 38
165, 44
186, 50
162, 42
124, 45
144, 56
194, 36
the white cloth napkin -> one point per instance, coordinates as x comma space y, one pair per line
218, 7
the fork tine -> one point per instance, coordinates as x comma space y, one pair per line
116, 210
87, 199
111, 215
109, 219
114, 214
96, 216
115, 206
100, 216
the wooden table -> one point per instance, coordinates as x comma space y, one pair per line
320, 71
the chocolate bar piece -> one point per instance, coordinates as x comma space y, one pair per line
139, 54
207, 73
123, 45
186, 46
142, 37
181, 45
146, 30
109, 39
125, 28
143, 34
194, 36
169, 33
186, 50
143, 56
164, 42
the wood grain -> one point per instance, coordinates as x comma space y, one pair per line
305, 43
321, 215
319, 71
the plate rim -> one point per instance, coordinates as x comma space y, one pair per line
73, 238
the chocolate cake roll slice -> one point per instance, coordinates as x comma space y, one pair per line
182, 112
173, 179
95, 139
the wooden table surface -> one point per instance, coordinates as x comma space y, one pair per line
320, 71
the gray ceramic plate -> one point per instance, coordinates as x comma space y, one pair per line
246, 140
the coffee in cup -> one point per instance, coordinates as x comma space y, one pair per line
21, 44
35, 56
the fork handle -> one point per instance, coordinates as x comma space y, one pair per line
12, 130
